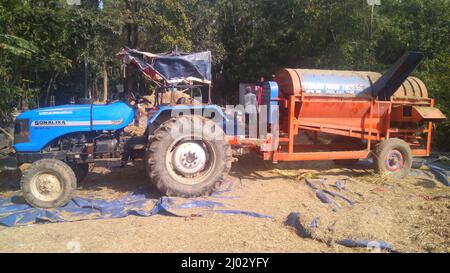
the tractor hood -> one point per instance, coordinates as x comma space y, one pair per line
34, 129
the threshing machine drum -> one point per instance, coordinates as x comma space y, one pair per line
337, 83
412, 88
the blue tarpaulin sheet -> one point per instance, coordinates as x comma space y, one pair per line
440, 172
15, 212
436, 169
367, 244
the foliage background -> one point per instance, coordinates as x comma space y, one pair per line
43, 43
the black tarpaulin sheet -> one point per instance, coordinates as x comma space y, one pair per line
173, 67
386, 86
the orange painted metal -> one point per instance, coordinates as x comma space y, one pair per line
412, 87
344, 113
291, 122
416, 113
408, 115
320, 155
287, 79
426, 113
388, 122
430, 129
359, 118
420, 152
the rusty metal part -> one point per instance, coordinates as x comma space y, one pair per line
427, 113
412, 88
288, 81
89, 148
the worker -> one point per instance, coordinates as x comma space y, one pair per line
259, 90
250, 100
251, 105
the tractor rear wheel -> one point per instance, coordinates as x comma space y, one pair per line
393, 158
188, 156
48, 183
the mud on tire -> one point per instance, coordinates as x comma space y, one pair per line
48, 183
393, 158
163, 166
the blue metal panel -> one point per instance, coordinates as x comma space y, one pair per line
197, 110
47, 124
114, 116
200, 108
270, 94
329, 82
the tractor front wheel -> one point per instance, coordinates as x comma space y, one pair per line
188, 157
393, 158
48, 183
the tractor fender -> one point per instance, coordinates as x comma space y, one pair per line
165, 112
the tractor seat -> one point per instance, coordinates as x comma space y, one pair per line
181, 100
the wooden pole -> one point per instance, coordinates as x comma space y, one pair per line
370, 37
86, 92
105, 85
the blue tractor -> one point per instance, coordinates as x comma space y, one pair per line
184, 148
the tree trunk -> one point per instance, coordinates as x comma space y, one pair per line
105, 85
47, 92
132, 39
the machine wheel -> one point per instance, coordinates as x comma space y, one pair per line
190, 164
48, 183
345, 162
81, 171
393, 157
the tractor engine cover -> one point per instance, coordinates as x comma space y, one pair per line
36, 128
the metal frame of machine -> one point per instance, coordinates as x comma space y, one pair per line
396, 106
372, 133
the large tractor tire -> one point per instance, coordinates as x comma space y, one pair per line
48, 183
188, 162
393, 158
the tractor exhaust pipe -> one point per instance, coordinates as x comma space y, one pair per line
385, 87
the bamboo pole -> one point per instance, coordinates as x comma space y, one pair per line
105, 85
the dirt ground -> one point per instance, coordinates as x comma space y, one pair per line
412, 215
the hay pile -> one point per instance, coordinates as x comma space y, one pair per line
394, 211
139, 125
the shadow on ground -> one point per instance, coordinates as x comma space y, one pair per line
133, 179
249, 165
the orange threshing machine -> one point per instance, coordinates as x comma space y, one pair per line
350, 115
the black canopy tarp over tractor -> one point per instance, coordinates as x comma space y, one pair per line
172, 67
